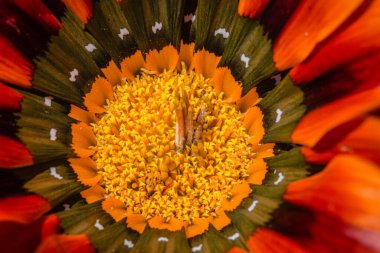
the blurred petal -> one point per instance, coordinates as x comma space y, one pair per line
13, 154
9, 98
252, 8
310, 24
65, 243
348, 188
81, 8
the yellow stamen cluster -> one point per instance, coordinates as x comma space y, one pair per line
169, 145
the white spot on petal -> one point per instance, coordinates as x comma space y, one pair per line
98, 225
66, 207
73, 75
223, 32
162, 239
245, 59
128, 243
276, 78
189, 17
279, 114
53, 173
90, 47
53, 134
234, 237
253, 205
123, 32
48, 100
197, 248
280, 178
157, 27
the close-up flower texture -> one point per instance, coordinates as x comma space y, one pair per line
190, 126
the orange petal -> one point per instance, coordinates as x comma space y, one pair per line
239, 192
81, 8
265, 240
257, 171
221, 220
24, 209
95, 100
198, 226
83, 139
14, 67
317, 123
172, 225
132, 65
364, 141
348, 188
185, 55
359, 38
112, 73
136, 222
114, 207
82, 115
310, 24
253, 122
65, 243
223, 80
249, 100
86, 170
166, 58
13, 154
205, 63
252, 8
264, 150
93, 194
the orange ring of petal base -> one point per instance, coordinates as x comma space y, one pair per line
203, 63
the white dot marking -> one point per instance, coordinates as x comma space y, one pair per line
98, 225
189, 17
66, 207
128, 243
245, 59
90, 47
48, 100
253, 205
276, 78
53, 134
279, 114
280, 178
123, 32
197, 248
53, 173
73, 75
157, 27
162, 239
234, 237
223, 32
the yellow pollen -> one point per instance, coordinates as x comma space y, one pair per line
169, 145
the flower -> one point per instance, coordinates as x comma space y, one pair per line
183, 126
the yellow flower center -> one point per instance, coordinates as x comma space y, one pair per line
169, 145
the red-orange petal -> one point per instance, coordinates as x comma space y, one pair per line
50, 226
10, 99
95, 100
14, 67
364, 141
319, 122
65, 243
23, 209
13, 154
83, 139
359, 38
114, 207
311, 23
348, 188
252, 8
81, 8
166, 58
